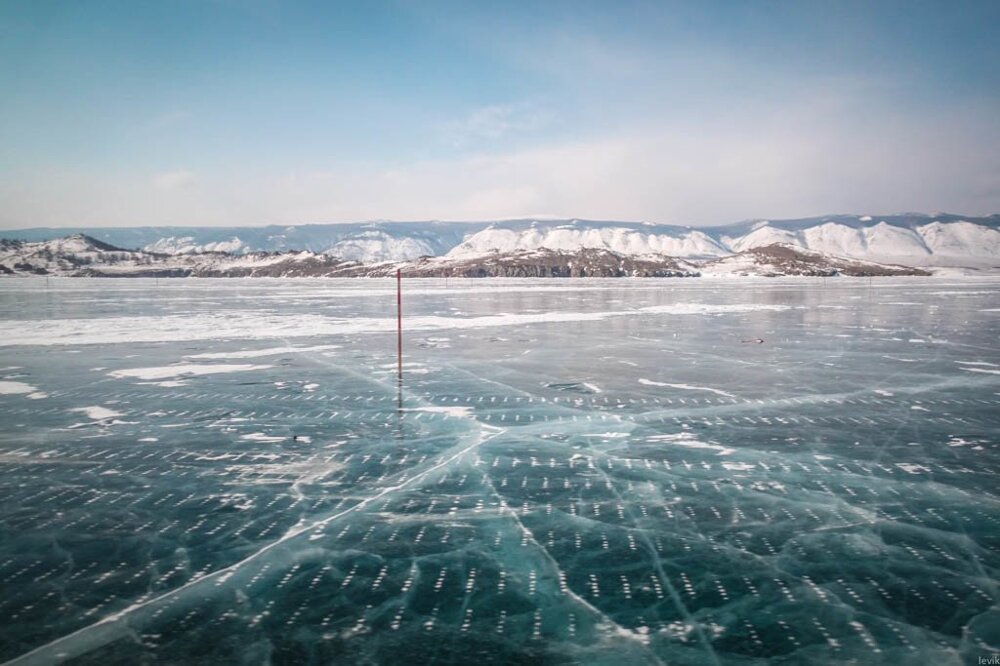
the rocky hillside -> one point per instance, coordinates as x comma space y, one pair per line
780, 259
544, 263
71, 255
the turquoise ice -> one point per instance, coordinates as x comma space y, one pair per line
622, 471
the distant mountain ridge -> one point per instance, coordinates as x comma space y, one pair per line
79, 255
911, 238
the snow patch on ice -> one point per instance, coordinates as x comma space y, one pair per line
20, 388
261, 437
976, 444
184, 370
249, 324
451, 410
97, 413
171, 383
688, 440
258, 353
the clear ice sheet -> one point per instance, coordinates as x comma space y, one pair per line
643, 487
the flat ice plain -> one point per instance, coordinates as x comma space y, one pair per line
580, 471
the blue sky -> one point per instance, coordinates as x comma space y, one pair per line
255, 112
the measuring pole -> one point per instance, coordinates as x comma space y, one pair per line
399, 325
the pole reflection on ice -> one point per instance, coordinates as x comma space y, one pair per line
399, 353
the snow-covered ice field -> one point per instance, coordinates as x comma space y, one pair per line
590, 471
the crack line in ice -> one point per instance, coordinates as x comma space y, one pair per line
688, 387
620, 630
111, 628
810, 399
675, 597
983, 370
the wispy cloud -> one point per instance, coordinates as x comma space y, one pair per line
501, 121
671, 111
803, 164
168, 181
809, 162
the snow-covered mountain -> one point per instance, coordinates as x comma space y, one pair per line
188, 245
780, 259
60, 256
913, 239
883, 239
632, 240
368, 241
932, 243
378, 245
79, 255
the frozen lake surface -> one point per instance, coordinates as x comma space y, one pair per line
585, 471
